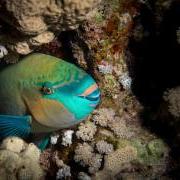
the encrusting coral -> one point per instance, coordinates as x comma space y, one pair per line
19, 160
115, 162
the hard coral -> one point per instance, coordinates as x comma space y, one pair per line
86, 131
87, 158
14, 144
106, 117
116, 161
173, 98
83, 176
104, 148
39, 21
3, 51
21, 163
67, 138
120, 129
64, 170
103, 116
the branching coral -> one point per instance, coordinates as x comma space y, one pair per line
22, 163
64, 170
103, 147
87, 158
120, 129
86, 131
103, 116
107, 118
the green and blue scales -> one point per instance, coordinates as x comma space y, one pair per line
42, 94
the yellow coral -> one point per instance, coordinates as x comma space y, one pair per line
115, 160
9, 160
23, 164
32, 152
29, 170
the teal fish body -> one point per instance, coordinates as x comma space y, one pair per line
47, 93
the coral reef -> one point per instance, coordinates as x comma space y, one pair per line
83, 176
14, 144
86, 157
54, 139
103, 116
64, 171
38, 23
107, 118
86, 131
115, 141
21, 162
103, 147
173, 99
67, 138
126, 81
116, 161
3, 51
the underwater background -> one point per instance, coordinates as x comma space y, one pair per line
131, 48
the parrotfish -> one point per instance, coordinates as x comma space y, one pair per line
42, 94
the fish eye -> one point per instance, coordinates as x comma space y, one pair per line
47, 90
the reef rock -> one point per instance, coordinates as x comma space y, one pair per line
38, 21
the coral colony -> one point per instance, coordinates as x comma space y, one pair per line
75, 67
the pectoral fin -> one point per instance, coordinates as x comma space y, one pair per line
15, 126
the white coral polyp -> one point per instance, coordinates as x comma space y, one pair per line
54, 139
67, 138
3, 51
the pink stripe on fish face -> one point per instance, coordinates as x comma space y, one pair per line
88, 91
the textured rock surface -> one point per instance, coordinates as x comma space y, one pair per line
38, 21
